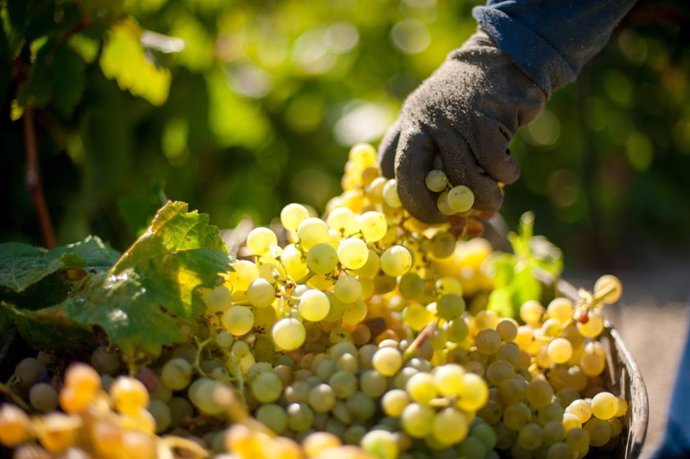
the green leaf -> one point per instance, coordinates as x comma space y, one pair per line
68, 80
47, 328
22, 265
141, 300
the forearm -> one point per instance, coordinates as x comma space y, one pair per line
551, 40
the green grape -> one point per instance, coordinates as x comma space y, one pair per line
561, 309
450, 306
105, 361
394, 402
551, 412
243, 273
529, 436
538, 393
417, 316
581, 409
436, 180
498, 371
509, 352
353, 253
128, 395
325, 368
593, 327
354, 434
507, 329
559, 350
272, 416
442, 245
312, 231
592, 364
447, 284
217, 299
292, 215
456, 330
361, 406
515, 416
238, 320
373, 383
343, 220
511, 390
380, 444
201, 395
161, 392
322, 258
362, 155
531, 312
355, 312
553, 432
300, 416
448, 379
443, 205
472, 448
297, 392
314, 305
610, 284
288, 334
161, 414
488, 341
417, 420
599, 431
616, 427
261, 293
390, 194
29, 371
338, 350
224, 340
347, 289
604, 405
578, 440
344, 383
384, 284
396, 261
294, 262
347, 362
43, 397
322, 398
411, 286
260, 240
559, 450
460, 198
373, 226
180, 411
387, 361
421, 388
450, 426
484, 433
267, 387
371, 267
474, 392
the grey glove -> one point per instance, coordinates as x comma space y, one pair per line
461, 119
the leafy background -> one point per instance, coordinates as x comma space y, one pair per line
239, 107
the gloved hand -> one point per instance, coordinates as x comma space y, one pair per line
460, 120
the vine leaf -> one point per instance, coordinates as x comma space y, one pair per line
141, 301
22, 265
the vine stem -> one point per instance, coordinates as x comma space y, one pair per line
33, 180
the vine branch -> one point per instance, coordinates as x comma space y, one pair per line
33, 180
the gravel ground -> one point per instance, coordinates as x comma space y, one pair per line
652, 318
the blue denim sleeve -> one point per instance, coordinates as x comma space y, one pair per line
551, 40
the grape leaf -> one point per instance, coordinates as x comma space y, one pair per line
154, 286
22, 265
47, 328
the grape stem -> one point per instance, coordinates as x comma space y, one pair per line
424, 335
14, 397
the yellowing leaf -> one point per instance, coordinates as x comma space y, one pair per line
124, 60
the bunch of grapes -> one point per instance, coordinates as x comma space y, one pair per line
361, 334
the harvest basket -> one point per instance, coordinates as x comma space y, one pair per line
623, 377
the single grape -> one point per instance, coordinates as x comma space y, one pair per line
347, 289
436, 180
29, 371
411, 286
450, 306
559, 350
343, 220
267, 387
353, 253
396, 261
238, 320
105, 361
14, 426
604, 405
460, 198
380, 444
272, 416
261, 293
322, 258
442, 245
288, 334
312, 231
473, 393
161, 413
322, 398
314, 305
450, 426
292, 215
421, 388
387, 361
417, 420
43, 397
300, 416
260, 240
128, 395
609, 288
201, 394
390, 194
243, 273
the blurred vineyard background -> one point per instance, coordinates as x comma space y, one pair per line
239, 107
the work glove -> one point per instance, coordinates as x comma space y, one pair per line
461, 120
